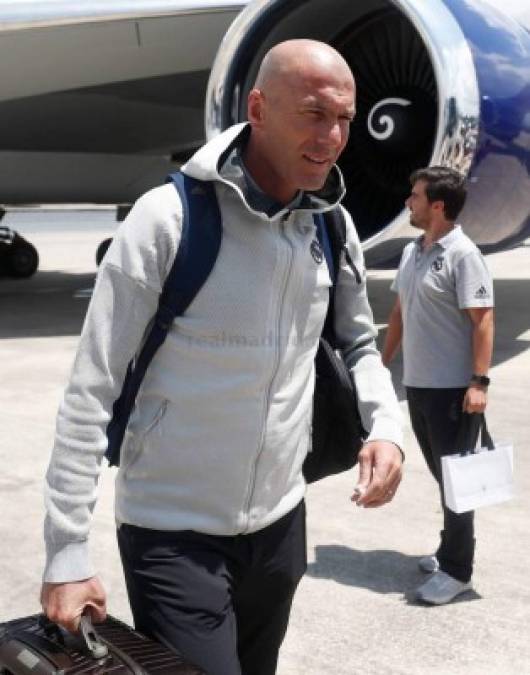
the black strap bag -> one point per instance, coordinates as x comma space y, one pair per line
338, 434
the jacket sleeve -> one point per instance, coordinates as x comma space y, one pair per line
124, 301
354, 326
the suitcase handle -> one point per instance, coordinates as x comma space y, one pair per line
92, 640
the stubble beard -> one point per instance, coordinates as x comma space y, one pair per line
416, 224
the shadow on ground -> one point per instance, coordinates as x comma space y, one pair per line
380, 571
51, 303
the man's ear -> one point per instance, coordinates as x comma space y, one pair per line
439, 206
255, 107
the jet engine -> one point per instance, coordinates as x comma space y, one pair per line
438, 82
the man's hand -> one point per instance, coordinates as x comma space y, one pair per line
476, 399
379, 474
65, 603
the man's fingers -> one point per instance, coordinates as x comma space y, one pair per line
63, 617
385, 496
65, 603
71, 623
386, 477
379, 474
365, 469
97, 612
475, 401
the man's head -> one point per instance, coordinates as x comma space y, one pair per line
438, 194
300, 110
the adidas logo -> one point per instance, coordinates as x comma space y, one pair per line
482, 293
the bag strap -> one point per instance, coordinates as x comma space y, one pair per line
198, 249
199, 245
468, 432
331, 234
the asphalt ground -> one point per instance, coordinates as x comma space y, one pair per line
355, 610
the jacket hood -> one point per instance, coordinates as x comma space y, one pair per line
206, 164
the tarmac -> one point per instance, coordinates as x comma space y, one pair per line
355, 610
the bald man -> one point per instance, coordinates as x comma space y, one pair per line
210, 491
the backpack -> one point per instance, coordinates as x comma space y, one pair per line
337, 433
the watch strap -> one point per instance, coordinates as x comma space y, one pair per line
482, 380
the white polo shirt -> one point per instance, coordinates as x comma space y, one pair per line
434, 287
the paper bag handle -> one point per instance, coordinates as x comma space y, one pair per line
470, 426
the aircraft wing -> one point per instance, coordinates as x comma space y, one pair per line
100, 99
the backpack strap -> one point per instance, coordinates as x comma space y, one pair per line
331, 233
198, 248
199, 245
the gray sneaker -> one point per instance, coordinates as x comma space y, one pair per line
441, 588
429, 564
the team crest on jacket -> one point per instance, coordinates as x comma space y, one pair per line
437, 263
316, 251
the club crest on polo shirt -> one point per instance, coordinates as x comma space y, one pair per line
437, 263
316, 251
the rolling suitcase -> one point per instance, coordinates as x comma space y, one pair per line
34, 645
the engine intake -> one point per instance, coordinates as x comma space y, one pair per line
394, 130
405, 117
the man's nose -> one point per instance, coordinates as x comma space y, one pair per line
331, 134
337, 134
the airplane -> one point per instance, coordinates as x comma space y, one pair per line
101, 99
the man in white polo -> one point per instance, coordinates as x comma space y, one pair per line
443, 317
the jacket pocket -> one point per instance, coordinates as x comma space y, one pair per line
135, 440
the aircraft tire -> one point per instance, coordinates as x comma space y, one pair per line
102, 249
23, 259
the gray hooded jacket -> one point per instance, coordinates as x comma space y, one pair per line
222, 422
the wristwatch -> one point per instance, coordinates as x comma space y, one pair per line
482, 380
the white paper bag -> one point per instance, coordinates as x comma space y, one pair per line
479, 479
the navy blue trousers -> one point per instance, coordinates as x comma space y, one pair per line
435, 415
223, 602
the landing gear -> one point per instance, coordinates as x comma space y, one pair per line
23, 259
18, 258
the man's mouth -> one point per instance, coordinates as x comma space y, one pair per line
319, 161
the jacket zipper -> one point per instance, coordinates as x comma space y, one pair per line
287, 276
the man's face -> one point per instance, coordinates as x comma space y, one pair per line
420, 207
304, 127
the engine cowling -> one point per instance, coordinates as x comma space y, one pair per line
438, 82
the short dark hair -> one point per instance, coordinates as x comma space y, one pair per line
445, 185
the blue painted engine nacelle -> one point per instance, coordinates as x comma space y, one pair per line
439, 82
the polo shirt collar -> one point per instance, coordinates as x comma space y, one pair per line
450, 237
443, 242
